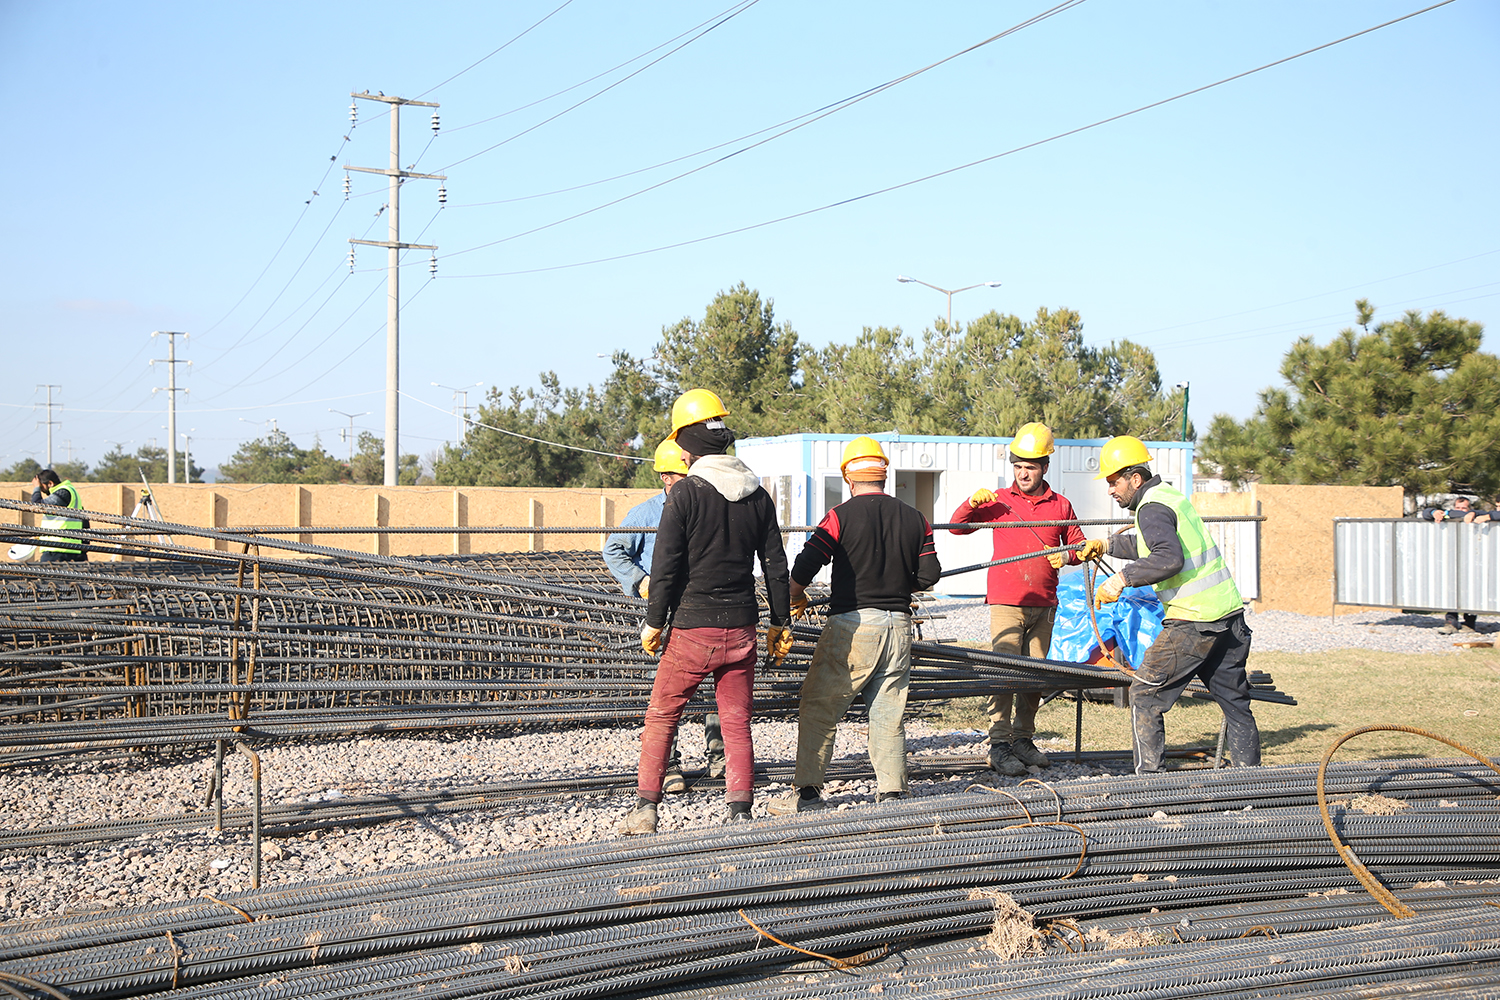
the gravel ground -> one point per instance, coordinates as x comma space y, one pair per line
168, 866
1275, 631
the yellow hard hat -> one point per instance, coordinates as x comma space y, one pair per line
669, 458
861, 447
1033, 441
1121, 453
693, 407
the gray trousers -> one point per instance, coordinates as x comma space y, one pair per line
1214, 652
864, 653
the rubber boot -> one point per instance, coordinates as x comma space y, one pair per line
714, 739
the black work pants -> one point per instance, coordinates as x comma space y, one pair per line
1214, 652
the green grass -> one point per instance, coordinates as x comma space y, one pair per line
1454, 696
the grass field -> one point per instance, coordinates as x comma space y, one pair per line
1454, 696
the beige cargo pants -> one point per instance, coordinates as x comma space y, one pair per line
1023, 632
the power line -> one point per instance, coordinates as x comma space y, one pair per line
816, 116
735, 12
527, 437
517, 38
580, 83
950, 170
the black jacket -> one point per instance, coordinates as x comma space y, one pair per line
715, 524
881, 550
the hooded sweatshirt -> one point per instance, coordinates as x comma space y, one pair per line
715, 524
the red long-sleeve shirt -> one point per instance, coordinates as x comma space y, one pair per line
1029, 583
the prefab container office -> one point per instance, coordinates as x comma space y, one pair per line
935, 474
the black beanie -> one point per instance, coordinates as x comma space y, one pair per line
701, 439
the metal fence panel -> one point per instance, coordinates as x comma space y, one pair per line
1417, 565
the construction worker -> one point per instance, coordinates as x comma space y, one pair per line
716, 523
1023, 595
1462, 510
628, 556
49, 488
1204, 633
882, 551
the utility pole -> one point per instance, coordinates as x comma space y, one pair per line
460, 409
171, 390
187, 454
393, 246
350, 432
50, 423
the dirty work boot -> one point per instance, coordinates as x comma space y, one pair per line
806, 799
1028, 753
1447, 628
889, 796
738, 811
673, 783
1003, 761
641, 819
714, 739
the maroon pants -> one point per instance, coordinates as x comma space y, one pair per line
692, 654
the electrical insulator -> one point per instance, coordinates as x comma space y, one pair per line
353, 113
432, 267
351, 260
434, 123
346, 187
442, 195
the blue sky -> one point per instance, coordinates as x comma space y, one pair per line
162, 155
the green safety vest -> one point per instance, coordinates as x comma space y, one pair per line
64, 523
1203, 590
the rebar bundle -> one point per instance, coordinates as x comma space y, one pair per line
874, 897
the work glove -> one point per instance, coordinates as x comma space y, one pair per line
651, 639
1092, 549
778, 642
1109, 591
982, 497
799, 605
645, 588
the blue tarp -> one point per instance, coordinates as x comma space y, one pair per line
1133, 622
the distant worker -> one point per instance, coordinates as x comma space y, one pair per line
882, 551
1462, 510
628, 556
1204, 634
48, 488
716, 523
1023, 595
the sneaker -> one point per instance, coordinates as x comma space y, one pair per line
803, 800
641, 819
1447, 628
738, 812
1028, 753
673, 782
889, 796
1004, 761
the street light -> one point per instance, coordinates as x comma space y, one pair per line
271, 421
460, 411
950, 292
350, 432
1184, 387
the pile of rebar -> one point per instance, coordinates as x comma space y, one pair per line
1212, 883
287, 639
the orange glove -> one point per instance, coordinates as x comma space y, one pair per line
645, 588
1092, 549
651, 639
799, 605
778, 642
1109, 591
982, 497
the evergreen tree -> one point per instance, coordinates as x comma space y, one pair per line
1413, 403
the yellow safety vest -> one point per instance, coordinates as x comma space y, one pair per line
63, 523
1203, 590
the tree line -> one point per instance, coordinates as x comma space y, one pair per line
987, 379
1411, 402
